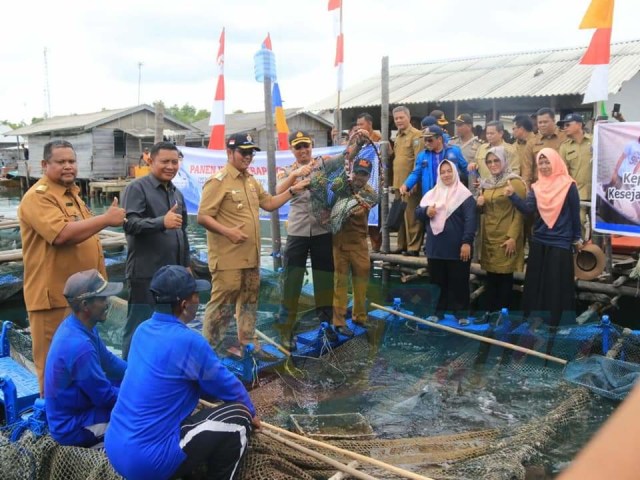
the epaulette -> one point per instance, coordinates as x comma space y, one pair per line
42, 188
220, 175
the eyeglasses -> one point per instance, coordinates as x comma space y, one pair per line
246, 153
430, 139
489, 162
299, 146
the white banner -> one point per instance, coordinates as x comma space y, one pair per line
615, 198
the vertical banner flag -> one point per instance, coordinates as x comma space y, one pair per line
335, 6
216, 121
281, 120
599, 15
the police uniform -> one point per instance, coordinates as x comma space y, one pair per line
45, 210
512, 158
233, 198
578, 157
469, 148
529, 172
307, 236
408, 144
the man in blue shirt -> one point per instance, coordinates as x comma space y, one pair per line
81, 376
152, 434
427, 162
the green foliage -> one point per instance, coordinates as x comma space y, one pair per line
187, 113
13, 124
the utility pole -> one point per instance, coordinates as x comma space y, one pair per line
139, 79
47, 92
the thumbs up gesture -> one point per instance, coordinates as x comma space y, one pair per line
508, 190
115, 215
173, 219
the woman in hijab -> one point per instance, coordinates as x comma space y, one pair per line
502, 251
448, 211
548, 286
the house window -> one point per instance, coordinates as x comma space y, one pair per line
119, 145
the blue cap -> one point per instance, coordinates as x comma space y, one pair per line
571, 117
362, 165
173, 283
428, 121
433, 131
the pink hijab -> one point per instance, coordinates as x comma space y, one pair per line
445, 199
551, 191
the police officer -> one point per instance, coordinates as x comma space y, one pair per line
577, 153
465, 139
229, 211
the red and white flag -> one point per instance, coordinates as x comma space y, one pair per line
216, 121
335, 6
599, 15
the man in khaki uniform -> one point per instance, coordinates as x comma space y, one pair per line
408, 144
577, 153
494, 131
58, 239
229, 210
523, 133
548, 136
350, 253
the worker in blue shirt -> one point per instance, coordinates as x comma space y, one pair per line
152, 434
427, 162
81, 376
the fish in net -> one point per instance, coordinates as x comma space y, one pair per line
334, 193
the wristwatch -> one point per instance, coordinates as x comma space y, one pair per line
293, 194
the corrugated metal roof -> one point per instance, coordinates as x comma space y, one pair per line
528, 74
86, 121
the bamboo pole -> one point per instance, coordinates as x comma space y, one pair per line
347, 453
492, 341
328, 460
273, 342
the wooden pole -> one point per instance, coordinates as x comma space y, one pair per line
273, 342
384, 171
323, 458
271, 168
348, 453
492, 341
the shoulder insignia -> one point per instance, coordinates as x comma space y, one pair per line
220, 175
416, 142
42, 188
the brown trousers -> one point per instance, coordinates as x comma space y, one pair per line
354, 258
43, 324
233, 291
411, 233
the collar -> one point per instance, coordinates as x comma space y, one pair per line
556, 133
166, 317
156, 183
585, 137
234, 172
59, 190
530, 135
79, 323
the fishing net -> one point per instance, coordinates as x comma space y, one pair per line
458, 412
333, 196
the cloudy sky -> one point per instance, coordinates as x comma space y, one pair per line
94, 46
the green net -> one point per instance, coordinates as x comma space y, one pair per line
459, 412
334, 193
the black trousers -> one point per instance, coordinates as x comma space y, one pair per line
499, 287
217, 437
296, 253
452, 277
140, 308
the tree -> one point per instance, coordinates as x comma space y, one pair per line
187, 113
14, 125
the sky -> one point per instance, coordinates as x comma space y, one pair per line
94, 47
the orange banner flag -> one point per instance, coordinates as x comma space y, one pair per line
599, 15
